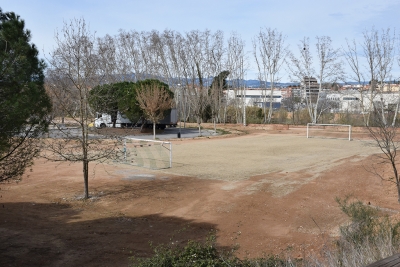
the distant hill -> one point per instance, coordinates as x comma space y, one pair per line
248, 83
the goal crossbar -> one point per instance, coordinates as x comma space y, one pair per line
323, 125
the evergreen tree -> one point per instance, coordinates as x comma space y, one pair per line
104, 99
24, 104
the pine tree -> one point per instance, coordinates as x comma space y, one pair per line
24, 104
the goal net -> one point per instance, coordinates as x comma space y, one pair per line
150, 154
334, 131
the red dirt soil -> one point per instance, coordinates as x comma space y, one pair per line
44, 221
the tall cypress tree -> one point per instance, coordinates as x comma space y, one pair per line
24, 103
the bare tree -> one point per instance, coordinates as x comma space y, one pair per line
352, 57
129, 49
175, 43
398, 96
237, 63
109, 68
74, 70
385, 52
302, 67
387, 139
198, 71
270, 52
371, 64
215, 58
328, 69
154, 99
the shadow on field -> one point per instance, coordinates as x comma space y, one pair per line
36, 234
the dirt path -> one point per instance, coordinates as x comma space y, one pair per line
265, 191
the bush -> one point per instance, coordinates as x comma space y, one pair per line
281, 116
253, 115
194, 254
301, 117
369, 237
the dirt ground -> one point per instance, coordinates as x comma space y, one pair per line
270, 190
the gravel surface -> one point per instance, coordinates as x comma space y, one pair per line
240, 158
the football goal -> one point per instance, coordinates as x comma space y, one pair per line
150, 154
335, 131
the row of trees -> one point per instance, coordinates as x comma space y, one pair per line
189, 62
84, 72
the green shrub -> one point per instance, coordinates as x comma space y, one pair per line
369, 237
281, 116
254, 115
367, 223
194, 254
301, 117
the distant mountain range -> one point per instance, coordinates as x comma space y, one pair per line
256, 84
248, 83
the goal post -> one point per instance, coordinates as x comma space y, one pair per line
152, 154
329, 130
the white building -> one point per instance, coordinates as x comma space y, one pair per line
355, 101
258, 97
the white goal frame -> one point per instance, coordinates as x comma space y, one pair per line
168, 145
318, 124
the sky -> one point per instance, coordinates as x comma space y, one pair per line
339, 19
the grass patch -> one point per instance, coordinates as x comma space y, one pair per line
223, 131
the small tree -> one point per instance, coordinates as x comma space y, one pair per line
386, 137
292, 103
154, 99
24, 104
74, 71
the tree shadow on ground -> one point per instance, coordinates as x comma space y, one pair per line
37, 234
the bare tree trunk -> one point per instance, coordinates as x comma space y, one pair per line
86, 178
199, 125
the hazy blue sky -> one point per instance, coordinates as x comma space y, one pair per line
339, 19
